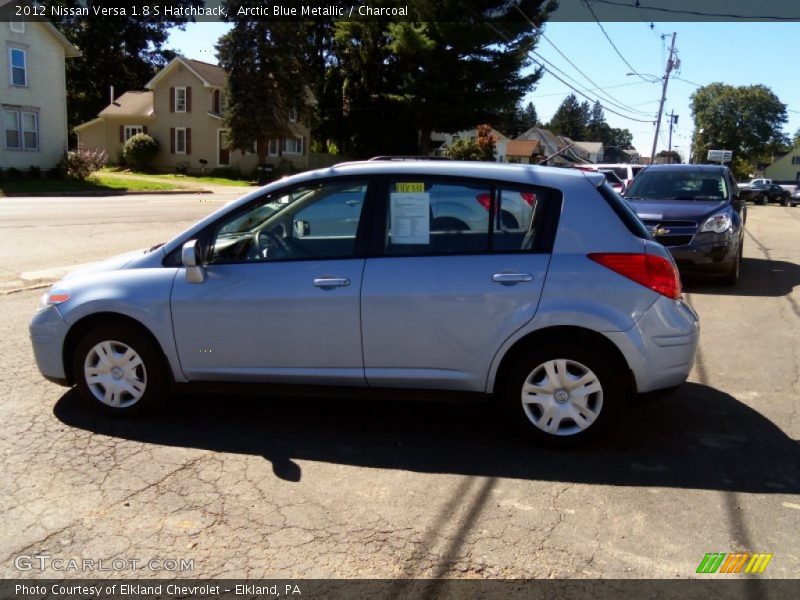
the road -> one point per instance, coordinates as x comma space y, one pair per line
41, 238
250, 487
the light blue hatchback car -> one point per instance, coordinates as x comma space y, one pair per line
537, 288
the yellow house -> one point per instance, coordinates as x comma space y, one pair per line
33, 94
786, 169
181, 108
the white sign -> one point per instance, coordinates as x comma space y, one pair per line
720, 155
410, 222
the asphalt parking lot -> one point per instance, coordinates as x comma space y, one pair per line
259, 488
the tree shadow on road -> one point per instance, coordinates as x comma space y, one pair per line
758, 277
698, 438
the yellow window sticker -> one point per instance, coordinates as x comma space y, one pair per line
409, 188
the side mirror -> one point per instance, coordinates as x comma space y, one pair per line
190, 257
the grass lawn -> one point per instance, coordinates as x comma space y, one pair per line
99, 182
186, 180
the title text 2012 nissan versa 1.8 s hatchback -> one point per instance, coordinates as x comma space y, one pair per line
535, 287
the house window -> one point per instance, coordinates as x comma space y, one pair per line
180, 140
796, 160
21, 130
272, 148
132, 130
293, 114
180, 99
18, 66
293, 145
217, 102
17, 26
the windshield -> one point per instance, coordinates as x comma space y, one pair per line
678, 185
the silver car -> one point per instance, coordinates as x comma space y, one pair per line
533, 287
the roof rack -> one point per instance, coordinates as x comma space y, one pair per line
388, 157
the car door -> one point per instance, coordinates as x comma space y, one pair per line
280, 301
442, 291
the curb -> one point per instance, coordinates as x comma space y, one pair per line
104, 194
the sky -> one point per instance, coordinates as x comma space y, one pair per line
731, 53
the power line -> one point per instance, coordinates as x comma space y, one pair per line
613, 45
608, 87
543, 60
612, 99
697, 13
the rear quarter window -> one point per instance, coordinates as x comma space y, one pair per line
623, 211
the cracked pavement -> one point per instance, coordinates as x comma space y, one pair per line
282, 488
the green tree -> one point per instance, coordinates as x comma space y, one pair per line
267, 79
571, 119
796, 139
672, 156
123, 51
745, 119
457, 65
530, 117
481, 148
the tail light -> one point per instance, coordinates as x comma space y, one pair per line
485, 200
653, 272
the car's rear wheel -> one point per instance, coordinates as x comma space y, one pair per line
562, 395
763, 199
784, 201
119, 370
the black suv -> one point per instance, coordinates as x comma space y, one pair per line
696, 211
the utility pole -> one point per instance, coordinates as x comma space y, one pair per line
671, 63
673, 120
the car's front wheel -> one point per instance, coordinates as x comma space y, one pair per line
562, 395
763, 199
119, 370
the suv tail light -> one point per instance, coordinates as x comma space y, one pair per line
528, 197
654, 272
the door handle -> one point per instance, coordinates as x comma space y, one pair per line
324, 282
512, 277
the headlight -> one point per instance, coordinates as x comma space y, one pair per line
717, 223
52, 298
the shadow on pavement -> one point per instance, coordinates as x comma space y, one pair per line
698, 438
758, 277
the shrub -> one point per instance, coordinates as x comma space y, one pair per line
14, 174
35, 173
80, 163
140, 151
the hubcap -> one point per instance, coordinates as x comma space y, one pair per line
115, 374
562, 397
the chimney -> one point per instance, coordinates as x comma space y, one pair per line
111, 90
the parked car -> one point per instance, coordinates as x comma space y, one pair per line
762, 193
558, 317
696, 211
760, 181
626, 172
611, 177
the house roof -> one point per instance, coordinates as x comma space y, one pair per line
523, 148
210, 75
130, 104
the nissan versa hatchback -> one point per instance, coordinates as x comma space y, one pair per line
537, 288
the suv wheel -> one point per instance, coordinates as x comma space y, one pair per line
732, 278
119, 370
562, 395
763, 200
784, 200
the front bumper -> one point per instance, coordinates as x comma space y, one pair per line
661, 347
47, 331
708, 253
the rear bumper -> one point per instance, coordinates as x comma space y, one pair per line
47, 331
661, 347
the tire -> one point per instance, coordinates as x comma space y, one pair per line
556, 414
119, 370
448, 224
784, 201
763, 200
732, 277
